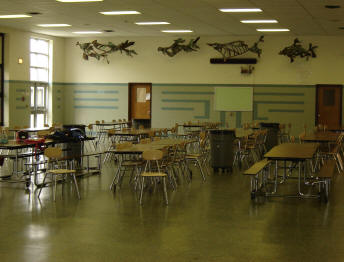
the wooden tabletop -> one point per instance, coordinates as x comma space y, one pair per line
136, 132
112, 123
33, 129
292, 151
321, 137
159, 144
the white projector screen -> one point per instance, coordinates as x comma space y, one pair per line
233, 99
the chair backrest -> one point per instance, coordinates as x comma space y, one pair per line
152, 155
145, 141
111, 132
53, 152
114, 121
46, 125
90, 126
97, 122
123, 146
302, 136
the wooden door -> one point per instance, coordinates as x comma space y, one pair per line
140, 96
329, 105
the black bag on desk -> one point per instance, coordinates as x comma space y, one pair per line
77, 134
22, 135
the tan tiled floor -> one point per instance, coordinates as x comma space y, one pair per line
212, 221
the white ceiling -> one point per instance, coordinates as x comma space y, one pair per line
302, 17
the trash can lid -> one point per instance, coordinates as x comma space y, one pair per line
274, 125
222, 131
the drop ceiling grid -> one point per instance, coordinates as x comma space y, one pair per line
301, 16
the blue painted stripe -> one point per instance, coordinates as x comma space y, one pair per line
96, 107
277, 94
21, 107
238, 119
185, 93
20, 90
178, 108
58, 91
96, 99
95, 91
281, 102
184, 100
286, 110
19, 99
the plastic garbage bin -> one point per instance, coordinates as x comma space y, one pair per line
221, 145
73, 149
272, 135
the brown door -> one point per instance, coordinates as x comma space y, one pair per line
329, 105
140, 95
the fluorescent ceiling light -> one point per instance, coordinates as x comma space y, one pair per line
240, 10
53, 25
152, 23
273, 30
120, 13
87, 32
273, 21
176, 31
14, 16
78, 1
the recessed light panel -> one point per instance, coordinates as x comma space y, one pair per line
13, 16
259, 21
53, 25
240, 10
78, 1
152, 23
273, 30
87, 32
176, 31
120, 13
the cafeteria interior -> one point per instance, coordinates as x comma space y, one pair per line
145, 159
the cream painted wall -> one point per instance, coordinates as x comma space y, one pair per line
17, 43
179, 83
151, 66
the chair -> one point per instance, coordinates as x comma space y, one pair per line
125, 163
152, 171
55, 154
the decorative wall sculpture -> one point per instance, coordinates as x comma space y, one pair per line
98, 50
237, 48
178, 46
296, 49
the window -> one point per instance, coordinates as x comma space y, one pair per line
39, 76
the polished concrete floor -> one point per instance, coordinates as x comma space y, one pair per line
211, 221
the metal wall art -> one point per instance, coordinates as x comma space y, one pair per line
178, 46
296, 49
98, 50
237, 48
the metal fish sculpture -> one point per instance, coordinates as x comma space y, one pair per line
236, 48
296, 50
98, 50
178, 46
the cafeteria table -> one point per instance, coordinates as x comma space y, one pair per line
299, 153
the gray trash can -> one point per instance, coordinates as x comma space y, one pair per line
272, 135
73, 149
222, 153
